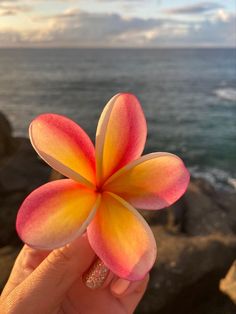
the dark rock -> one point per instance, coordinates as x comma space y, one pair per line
227, 202
196, 245
154, 217
6, 142
20, 173
187, 269
22, 170
205, 186
9, 206
202, 213
171, 217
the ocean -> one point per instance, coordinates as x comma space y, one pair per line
188, 96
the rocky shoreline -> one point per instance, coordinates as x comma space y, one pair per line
196, 237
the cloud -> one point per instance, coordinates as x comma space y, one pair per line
215, 32
90, 29
76, 28
7, 9
197, 8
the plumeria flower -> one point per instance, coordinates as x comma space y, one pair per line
105, 184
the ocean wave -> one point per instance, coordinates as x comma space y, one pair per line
227, 93
218, 178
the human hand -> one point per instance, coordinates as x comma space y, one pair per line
52, 283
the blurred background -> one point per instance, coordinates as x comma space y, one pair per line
179, 59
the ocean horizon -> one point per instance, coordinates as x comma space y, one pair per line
188, 96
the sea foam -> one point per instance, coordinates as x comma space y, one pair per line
226, 93
218, 178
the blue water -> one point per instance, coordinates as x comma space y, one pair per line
188, 96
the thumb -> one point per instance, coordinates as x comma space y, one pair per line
47, 285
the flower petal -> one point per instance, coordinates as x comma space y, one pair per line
55, 214
64, 146
121, 135
153, 181
122, 239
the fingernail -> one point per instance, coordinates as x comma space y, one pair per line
96, 275
120, 286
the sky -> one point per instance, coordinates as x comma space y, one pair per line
117, 23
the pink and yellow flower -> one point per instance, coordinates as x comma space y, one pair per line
104, 185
